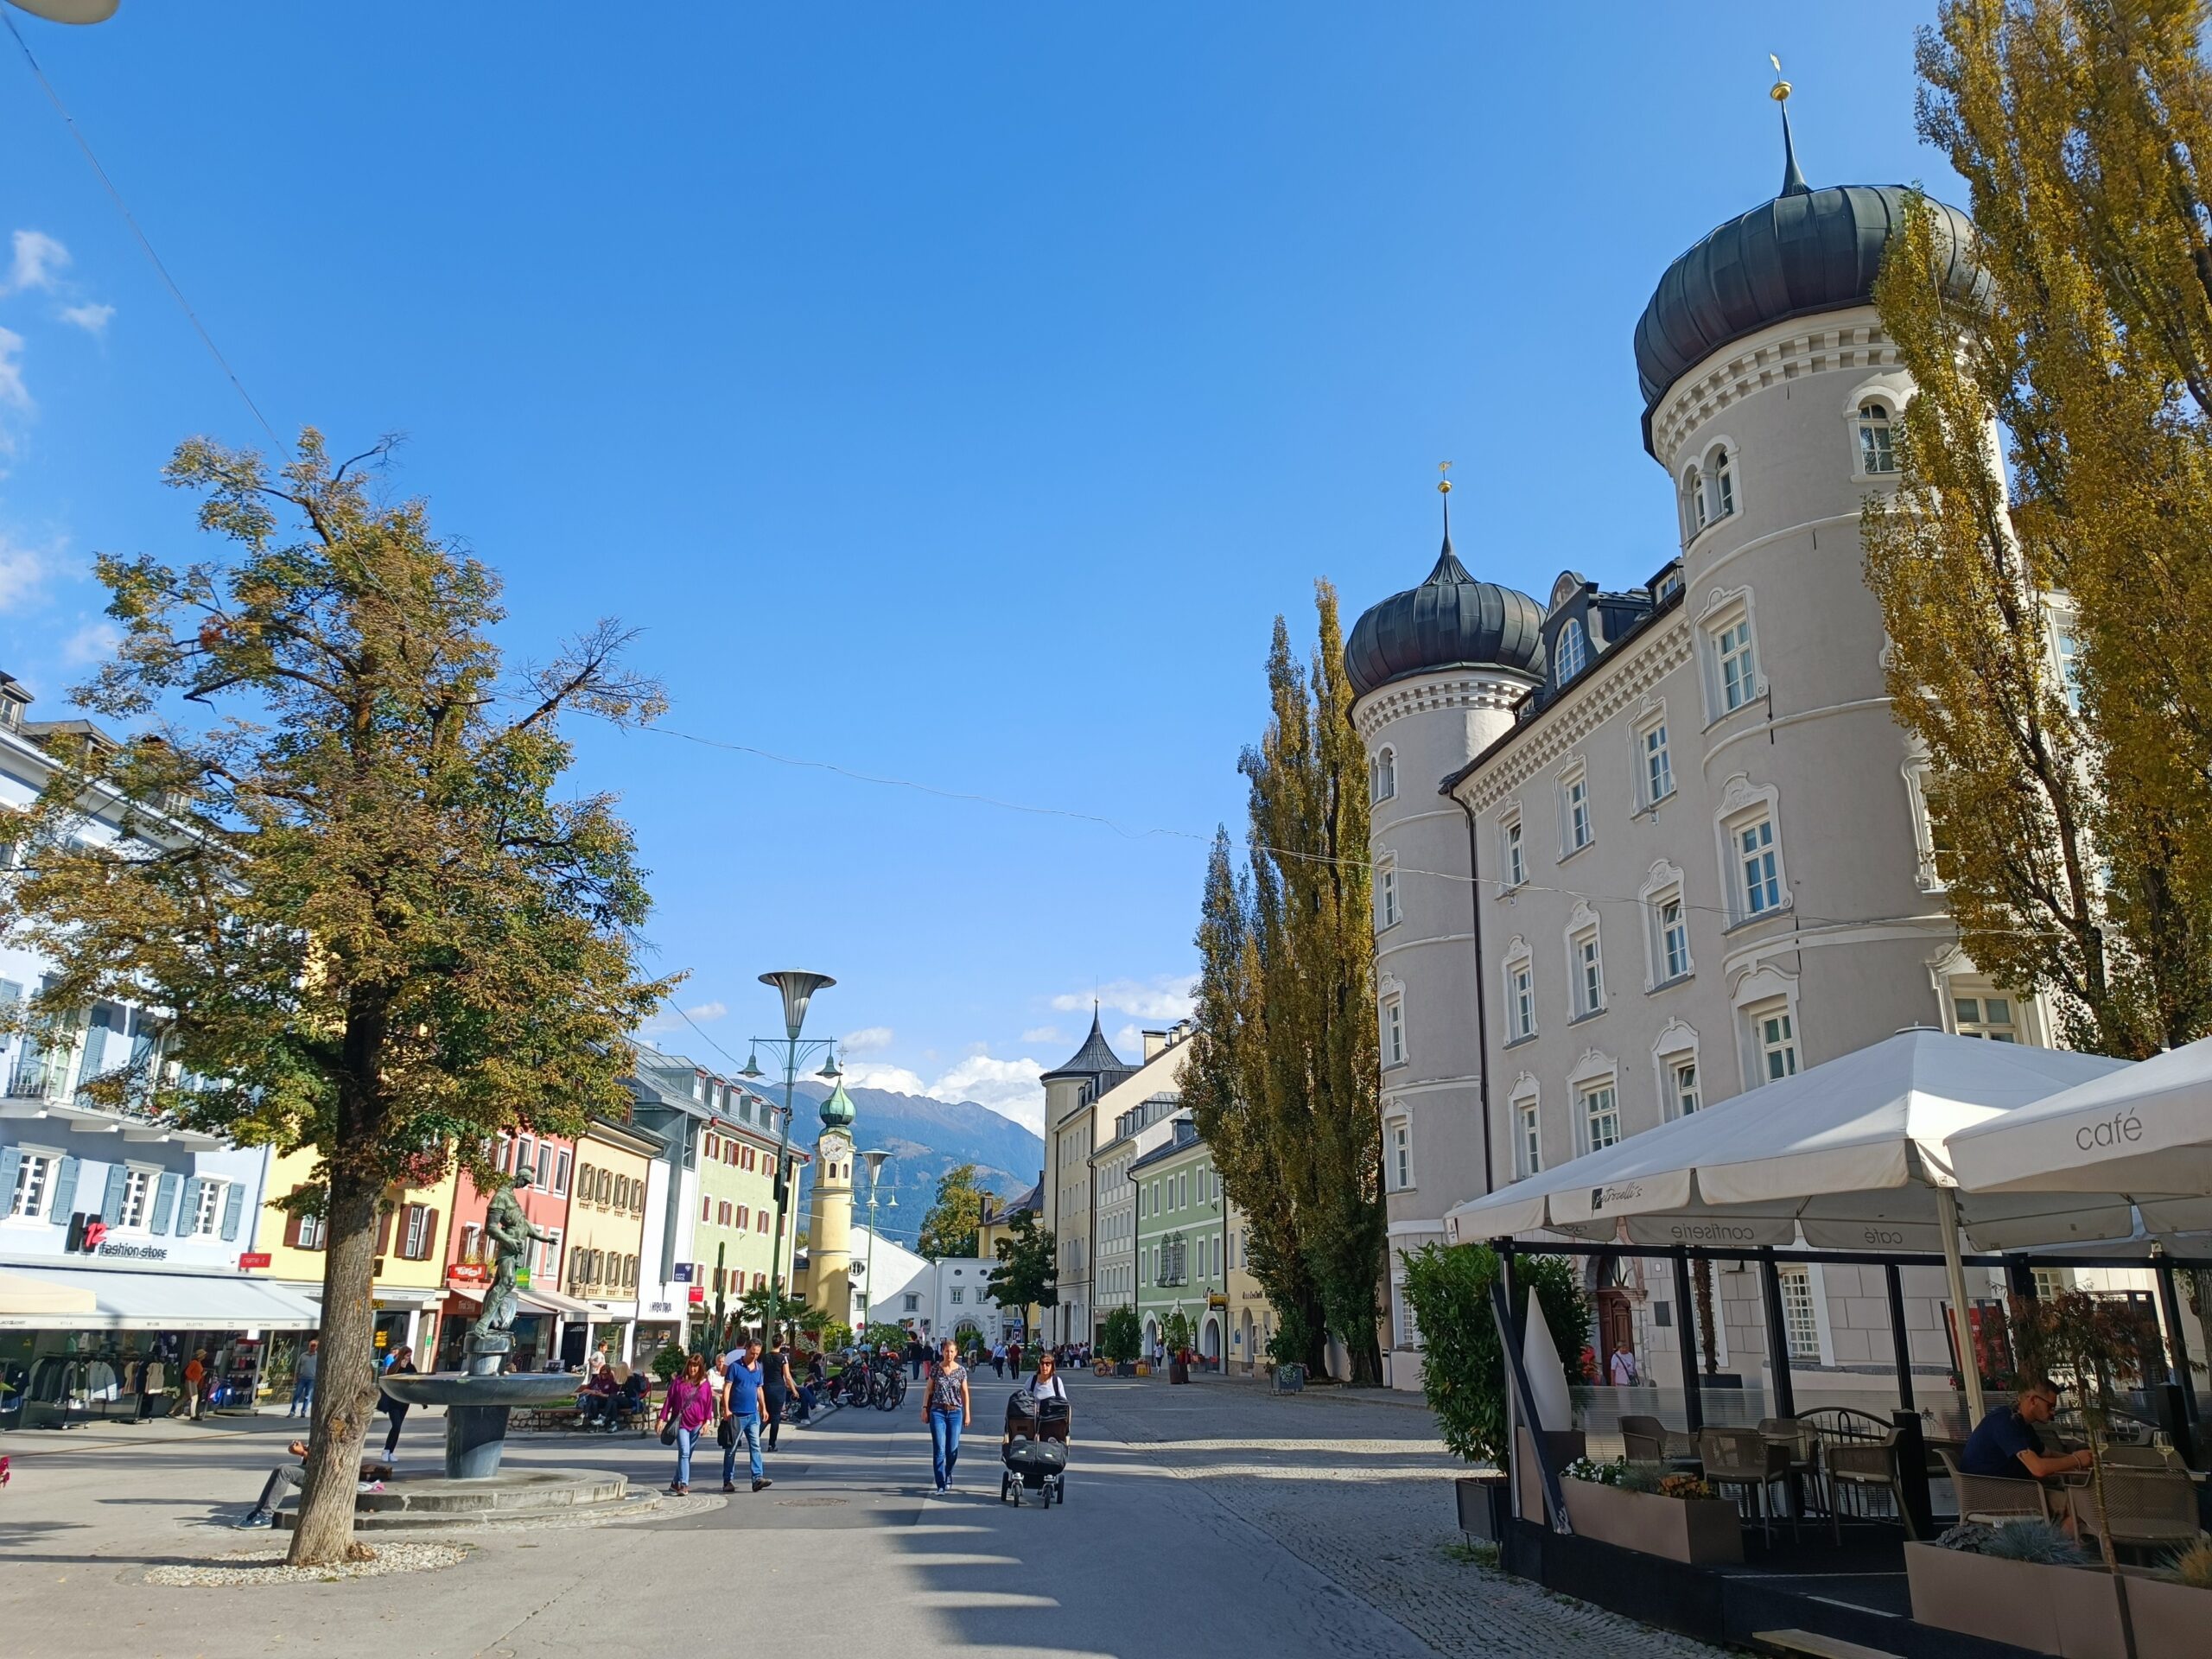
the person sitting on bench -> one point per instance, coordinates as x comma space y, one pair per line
374, 1472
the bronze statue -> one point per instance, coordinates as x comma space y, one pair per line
510, 1235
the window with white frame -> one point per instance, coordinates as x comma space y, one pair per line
1528, 1135
1401, 1155
1520, 996
1385, 892
1575, 809
959, 1295
1571, 652
1774, 1037
2067, 647
136, 1208
1932, 860
1382, 775
1601, 1116
1656, 772
1683, 1096
1736, 664
207, 1215
1393, 1031
1758, 874
1693, 504
1800, 1325
1876, 452
1721, 465
1978, 1013
1673, 939
1516, 851
560, 1174
1589, 971
33, 1194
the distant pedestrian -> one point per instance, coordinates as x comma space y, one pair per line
998, 1359
1623, 1369
777, 1390
284, 1477
196, 1373
1013, 1355
403, 1364
741, 1401
916, 1356
304, 1380
689, 1408
945, 1409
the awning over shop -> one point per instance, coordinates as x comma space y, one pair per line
536, 1300
138, 1299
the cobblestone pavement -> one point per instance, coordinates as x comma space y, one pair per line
1361, 1491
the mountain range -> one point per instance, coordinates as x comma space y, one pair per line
925, 1138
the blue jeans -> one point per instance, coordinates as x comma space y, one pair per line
944, 1445
686, 1440
748, 1434
302, 1394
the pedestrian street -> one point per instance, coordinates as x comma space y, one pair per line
1240, 1523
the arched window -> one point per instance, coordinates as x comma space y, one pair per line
1876, 454
1693, 501
1572, 651
1723, 483
1383, 776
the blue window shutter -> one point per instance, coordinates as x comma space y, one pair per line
233, 1207
65, 1192
165, 1201
190, 1207
111, 1205
11, 1159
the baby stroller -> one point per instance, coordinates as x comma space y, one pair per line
1035, 1450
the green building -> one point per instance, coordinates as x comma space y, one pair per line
1182, 1242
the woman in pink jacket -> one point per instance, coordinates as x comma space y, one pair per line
689, 1407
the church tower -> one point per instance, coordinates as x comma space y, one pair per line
830, 1237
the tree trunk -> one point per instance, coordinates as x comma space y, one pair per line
345, 1395
1709, 1339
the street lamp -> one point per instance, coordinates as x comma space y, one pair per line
798, 987
70, 11
875, 1161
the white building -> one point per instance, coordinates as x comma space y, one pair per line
945, 1297
1636, 852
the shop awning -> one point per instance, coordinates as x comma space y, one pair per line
137, 1299
536, 1300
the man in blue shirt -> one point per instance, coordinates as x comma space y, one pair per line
741, 1399
2004, 1447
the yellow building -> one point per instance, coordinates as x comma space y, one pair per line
606, 1234
410, 1257
828, 1279
1251, 1315
996, 1223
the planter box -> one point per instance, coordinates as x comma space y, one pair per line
1697, 1531
1143, 1367
1485, 1505
2072, 1611
1177, 1370
2171, 1619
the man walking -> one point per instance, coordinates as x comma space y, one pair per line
304, 1380
741, 1399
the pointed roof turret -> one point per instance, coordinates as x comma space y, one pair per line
1451, 620
838, 1111
1095, 1058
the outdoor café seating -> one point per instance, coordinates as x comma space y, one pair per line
2150, 1510
1644, 1439
1989, 1498
1858, 1459
1746, 1460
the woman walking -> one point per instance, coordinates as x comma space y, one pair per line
690, 1406
403, 1364
778, 1390
945, 1410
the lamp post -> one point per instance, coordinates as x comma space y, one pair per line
798, 988
875, 1161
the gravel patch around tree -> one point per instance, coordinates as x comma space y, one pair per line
268, 1567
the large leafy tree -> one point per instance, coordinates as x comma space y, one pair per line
374, 930
1027, 1274
2045, 566
951, 1227
1284, 1083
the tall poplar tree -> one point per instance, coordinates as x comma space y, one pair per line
1286, 1084
2045, 566
348, 888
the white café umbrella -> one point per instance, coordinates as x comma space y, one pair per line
1849, 1154
2144, 1130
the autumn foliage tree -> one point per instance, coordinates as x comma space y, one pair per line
1283, 1076
373, 928
951, 1226
2045, 565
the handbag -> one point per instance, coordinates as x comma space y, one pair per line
668, 1432
726, 1433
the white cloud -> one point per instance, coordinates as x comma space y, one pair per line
1010, 1087
868, 1040
1130, 1040
12, 390
706, 1011
1166, 997
93, 319
1041, 1034
39, 260
868, 1074
22, 569
93, 643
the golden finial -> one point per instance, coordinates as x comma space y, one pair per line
1444, 482
1781, 92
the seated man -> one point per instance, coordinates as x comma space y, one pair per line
597, 1398
374, 1472
2003, 1446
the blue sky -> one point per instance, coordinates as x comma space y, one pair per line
951, 395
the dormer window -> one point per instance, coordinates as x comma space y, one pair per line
1571, 652
1875, 452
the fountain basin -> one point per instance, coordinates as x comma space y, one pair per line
466, 1389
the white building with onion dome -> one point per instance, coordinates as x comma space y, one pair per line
1637, 852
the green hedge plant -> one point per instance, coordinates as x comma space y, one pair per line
1463, 1369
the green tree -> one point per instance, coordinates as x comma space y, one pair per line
1122, 1338
1027, 1274
373, 929
1462, 1366
2045, 597
949, 1229
1177, 1332
771, 1312
1284, 1079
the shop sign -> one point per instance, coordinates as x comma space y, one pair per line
248, 1260
137, 1252
698, 1293
683, 1272
663, 1307
465, 1273
1217, 1300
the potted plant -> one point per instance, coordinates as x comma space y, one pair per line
1179, 1347
2024, 1582
2171, 1608
1120, 1342
1643, 1506
1463, 1368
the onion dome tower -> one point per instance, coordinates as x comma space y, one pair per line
829, 1239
